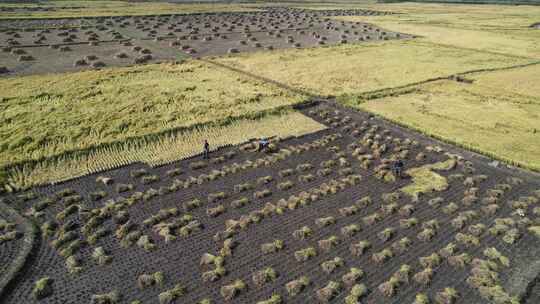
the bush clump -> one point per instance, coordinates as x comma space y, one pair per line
296, 286
228, 292
42, 288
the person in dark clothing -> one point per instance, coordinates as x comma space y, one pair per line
263, 143
206, 150
398, 167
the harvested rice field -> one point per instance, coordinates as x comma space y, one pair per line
321, 218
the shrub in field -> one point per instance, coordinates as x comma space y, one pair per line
350, 230
216, 211
73, 264
265, 180
148, 280
146, 243
274, 299
450, 208
286, 172
426, 235
348, 211
100, 256
97, 195
304, 167
305, 254
286, 185
272, 247
358, 249
435, 202
42, 288
424, 277
421, 298
401, 245
372, 219
239, 203
447, 296
406, 210
493, 254
327, 293
228, 292
296, 286
213, 197
408, 223
324, 172
242, 187
447, 250
350, 278
306, 178
169, 296
173, 172
329, 243
214, 275
511, 236
477, 229
402, 275
357, 291
9, 236
228, 245
264, 276
331, 265
392, 197
467, 240
198, 165
431, 224
262, 194
138, 173
120, 188
386, 234
325, 221
302, 233
192, 204
459, 261
389, 287
382, 256
430, 261
112, 297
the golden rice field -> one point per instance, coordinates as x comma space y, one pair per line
48, 115
358, 68
161, 149
498, 114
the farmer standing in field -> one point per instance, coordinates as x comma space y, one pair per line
398, 167
206, 149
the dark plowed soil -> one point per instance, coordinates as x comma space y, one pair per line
179, 259
58, 46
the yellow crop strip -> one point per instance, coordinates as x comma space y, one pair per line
165, 149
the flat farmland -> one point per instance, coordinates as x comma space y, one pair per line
322, 218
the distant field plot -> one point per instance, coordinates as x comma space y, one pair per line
80, 110
100, 42
497, 114
70, 9
507, 32
352, 69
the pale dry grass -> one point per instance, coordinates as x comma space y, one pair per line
356, 68
518, 42
497, 115
164, 149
